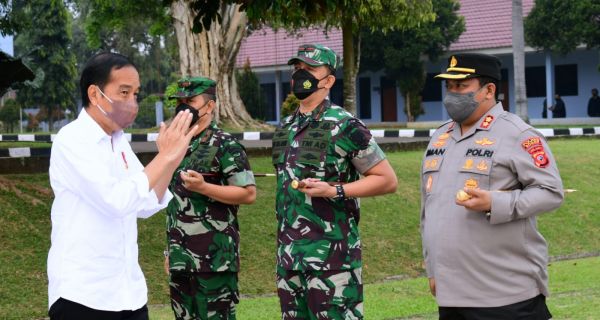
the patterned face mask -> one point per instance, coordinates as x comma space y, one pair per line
304, 84
123, 112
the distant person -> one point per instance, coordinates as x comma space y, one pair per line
594, 104
203, 234
545, 110
558, 109
100, 189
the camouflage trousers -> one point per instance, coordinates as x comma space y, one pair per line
320, 295
204, 295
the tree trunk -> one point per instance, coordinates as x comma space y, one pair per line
407, 101
212, 54
351, 43
518, 42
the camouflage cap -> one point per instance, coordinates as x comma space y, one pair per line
316, 55
193, 86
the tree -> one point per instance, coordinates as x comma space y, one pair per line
350, 16
209, 52
9, 114
251, 92
401, 53
45, 41
562, 25
518, 44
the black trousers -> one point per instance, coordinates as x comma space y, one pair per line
64, 309
531, 309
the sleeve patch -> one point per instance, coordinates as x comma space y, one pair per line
534, 146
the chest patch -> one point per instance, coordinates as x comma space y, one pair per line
477, 152
435, 152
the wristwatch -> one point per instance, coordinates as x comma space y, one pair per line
340, 194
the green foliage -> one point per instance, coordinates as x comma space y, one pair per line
45, 41
562, 25
140, 30
289, 105
9, 114
251, 92
170, 104
146, 117
374, 14
400, 53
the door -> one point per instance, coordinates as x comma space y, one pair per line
388, 100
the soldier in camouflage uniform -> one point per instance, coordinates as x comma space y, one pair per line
202, 227
326, 149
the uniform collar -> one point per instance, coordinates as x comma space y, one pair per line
315, 113
485, 123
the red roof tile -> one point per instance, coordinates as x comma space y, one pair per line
488, 25
269, 48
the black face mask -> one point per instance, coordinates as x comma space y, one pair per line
195, 112
305, 84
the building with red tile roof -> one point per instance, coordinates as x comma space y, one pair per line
488, 30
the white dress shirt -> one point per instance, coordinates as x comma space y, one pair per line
100, 190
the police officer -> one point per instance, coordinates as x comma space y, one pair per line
319, 154
486, 175
211, 182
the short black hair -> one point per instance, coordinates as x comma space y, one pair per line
485, 80
209, 96
97, 71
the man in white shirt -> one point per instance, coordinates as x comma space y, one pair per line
100, 189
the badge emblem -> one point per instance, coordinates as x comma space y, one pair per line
439, 143
485, 142
471, 184
487, 121
482, 166
429, 184
468, 164
535, 148
453, 62
431, 164
306, 84
444, 136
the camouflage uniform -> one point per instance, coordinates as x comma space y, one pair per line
319, 254
203, 234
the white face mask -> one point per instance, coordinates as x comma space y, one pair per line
123, 112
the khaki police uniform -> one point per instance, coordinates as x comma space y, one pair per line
498, 258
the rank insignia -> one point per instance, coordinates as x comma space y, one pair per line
444, 136
487, 121
471, 184
485, 142
429, 183
468, 164
535, 148
439, 143
482, 166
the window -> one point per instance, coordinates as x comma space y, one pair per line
432, 91
565, 80
535, 81
268, 113
364, 90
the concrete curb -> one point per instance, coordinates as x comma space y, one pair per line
256, 136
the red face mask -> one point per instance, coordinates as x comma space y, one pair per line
123, 112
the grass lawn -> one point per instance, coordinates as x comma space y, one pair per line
389, 228
575, 287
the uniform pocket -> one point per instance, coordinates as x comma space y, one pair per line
431, 168
475, 173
